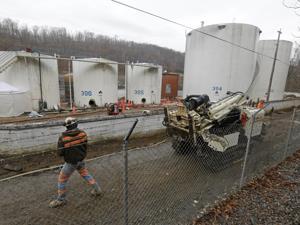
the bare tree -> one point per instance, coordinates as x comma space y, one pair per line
294, 4
59, 40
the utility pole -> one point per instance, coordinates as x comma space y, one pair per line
41, 106
273, 67
70, 82
126, 81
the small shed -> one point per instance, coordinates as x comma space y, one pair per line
170, 83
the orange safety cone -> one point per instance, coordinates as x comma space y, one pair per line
260, 104
123, 105
130, 105
73, 109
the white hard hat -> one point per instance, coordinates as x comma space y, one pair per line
70, 121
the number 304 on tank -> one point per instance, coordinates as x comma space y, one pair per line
86, 93
217, 88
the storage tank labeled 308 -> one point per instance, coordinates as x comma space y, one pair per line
213, 66
95, 82
265, 60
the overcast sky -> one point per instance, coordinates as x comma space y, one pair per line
108, 18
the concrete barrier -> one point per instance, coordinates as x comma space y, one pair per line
33, 137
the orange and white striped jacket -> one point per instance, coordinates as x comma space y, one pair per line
72, 145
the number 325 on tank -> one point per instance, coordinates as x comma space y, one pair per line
139, 92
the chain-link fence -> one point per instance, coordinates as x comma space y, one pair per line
270, 147
27, 198
177, 179
169, 182
294, 131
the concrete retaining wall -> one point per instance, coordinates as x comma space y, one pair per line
16, 139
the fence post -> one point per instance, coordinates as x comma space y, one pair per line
125, 175
248, 143
289, 133
247, 150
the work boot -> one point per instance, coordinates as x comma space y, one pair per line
97, 192
57, 203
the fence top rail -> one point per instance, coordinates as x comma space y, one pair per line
89, 60
284, 100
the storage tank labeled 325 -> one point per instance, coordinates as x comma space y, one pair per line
267, 49
143, 83
214, 66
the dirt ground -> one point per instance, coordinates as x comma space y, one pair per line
25, 163
79, 114
271, 199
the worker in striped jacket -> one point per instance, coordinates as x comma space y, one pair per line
72, 145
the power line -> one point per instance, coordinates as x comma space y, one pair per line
199, 31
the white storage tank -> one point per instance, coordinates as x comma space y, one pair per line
40, 80
259, 88
95, 81
143, 83
213, 66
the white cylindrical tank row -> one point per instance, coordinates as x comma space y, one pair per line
267, 49
95, 83
213, 66
143, 83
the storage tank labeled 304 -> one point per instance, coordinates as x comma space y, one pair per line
214, 66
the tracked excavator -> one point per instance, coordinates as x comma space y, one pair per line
217, 132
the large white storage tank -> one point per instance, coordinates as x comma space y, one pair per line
23, 71
213, 66
143, 83
95, 79
260, 85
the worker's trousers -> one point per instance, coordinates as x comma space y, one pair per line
67, 171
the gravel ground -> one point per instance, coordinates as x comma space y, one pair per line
164, 188
271, 199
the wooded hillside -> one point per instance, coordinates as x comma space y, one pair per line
85, 44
